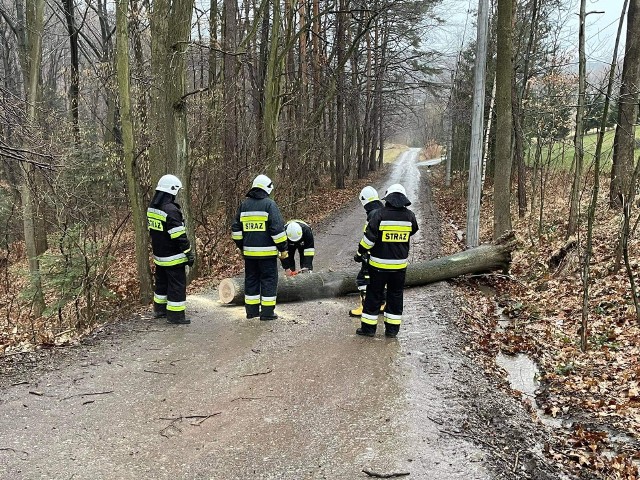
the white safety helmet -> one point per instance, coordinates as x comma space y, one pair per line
263, 182
395, 188
170, 184
368, 194
294, 231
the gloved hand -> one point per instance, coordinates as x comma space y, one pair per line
357, 258
283, 255
290, 273
190, 258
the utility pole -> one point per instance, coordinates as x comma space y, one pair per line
477, 127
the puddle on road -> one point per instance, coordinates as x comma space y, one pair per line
522, 373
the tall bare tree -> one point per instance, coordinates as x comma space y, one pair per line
624, 141
32, 66
504, 120
128, 145
578, 140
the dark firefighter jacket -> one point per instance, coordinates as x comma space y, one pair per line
305, 244
370, 208
386, 237
168, 234
258, 229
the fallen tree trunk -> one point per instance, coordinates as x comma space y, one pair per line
309, 286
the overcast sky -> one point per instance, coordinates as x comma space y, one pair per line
601, 27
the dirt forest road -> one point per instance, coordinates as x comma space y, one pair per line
299, 398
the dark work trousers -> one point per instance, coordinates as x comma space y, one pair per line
260, 286
394, 281
362, 280
170, 294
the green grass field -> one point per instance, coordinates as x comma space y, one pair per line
563, 151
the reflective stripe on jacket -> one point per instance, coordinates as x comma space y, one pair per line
386, 237
169, 240
258, 229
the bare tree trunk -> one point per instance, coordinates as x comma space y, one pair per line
340, 93
74, 87
519, 115
481, 259
33, 64
624, 141
504, 120
578, 141
596, 188
272, 99
128, 144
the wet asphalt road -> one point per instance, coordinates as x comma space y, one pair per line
229, 398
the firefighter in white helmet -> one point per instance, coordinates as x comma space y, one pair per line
300, 239
370, 201
171, 251
386, 241
258, 231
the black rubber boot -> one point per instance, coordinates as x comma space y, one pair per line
269, 317
159, 310
366, 330
177, 317
391, 331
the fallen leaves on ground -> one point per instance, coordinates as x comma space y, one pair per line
597, 392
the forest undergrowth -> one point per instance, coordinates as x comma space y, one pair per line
591, 399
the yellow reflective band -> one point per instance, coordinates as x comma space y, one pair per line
176, 308
156, 216
160, 300
269, 253
281, 237
365, 245
170, 263
368, 321
177, 234
268, 303
236, 237
399, 228
388, 266
254, 218
252, 301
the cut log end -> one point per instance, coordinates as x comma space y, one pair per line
227, 291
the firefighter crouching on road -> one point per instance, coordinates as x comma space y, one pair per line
370, 202
171, 251
258, 231
386, 240
300, 236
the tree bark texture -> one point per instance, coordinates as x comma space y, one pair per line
504, 120
33, 63
624, 141
128, 144
482, 259
578, 141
